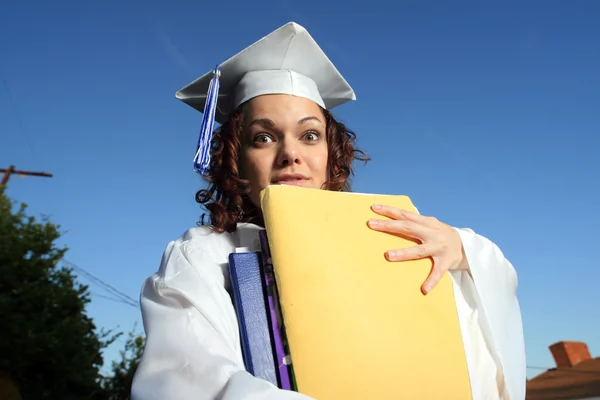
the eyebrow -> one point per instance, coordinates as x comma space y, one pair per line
262, 121
306, 119
270, 124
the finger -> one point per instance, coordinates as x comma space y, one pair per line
433, 279
397, 213
411, 253
400, 227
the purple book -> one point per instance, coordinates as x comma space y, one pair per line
281, 357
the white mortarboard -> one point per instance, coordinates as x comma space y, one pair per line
287, 61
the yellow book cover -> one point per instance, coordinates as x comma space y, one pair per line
357, 325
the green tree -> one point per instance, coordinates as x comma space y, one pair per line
48, 345
118, 384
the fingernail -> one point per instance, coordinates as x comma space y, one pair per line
426, 289
376, 207
374, 222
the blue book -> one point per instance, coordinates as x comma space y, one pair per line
250, 302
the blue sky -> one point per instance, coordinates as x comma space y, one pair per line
486, 115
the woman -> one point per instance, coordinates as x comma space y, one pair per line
277, 129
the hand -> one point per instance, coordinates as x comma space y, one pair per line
437, 240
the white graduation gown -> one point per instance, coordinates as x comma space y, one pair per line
193, 348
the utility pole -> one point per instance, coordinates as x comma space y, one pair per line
11, 170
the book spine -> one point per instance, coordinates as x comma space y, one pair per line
250, 304
282, 355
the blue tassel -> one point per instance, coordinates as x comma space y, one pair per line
202, 159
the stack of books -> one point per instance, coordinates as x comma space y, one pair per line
322, 312
264, 346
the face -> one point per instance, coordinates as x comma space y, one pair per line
284, 143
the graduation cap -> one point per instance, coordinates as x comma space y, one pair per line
287, 61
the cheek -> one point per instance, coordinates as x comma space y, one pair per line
257, 169
317, 162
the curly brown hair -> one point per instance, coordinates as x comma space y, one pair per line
226, 198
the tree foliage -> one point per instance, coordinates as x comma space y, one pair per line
118, 384
48, 345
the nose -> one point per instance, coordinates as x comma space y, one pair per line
289, 153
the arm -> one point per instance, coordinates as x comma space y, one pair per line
192, 349
490, 287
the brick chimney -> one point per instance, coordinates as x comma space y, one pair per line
567, 354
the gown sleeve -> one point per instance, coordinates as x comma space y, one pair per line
192, 338
490, 293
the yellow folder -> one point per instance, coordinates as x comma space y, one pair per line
358, 326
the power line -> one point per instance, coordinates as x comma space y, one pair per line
109, 298
121, 297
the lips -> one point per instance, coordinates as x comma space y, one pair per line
291, 179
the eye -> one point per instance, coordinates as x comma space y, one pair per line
312, 136
262, 138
